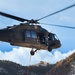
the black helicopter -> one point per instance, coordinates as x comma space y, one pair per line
30, 34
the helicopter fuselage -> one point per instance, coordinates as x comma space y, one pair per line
25, 35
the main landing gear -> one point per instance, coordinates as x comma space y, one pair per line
49, 49
32, 52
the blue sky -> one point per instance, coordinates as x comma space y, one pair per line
36, 9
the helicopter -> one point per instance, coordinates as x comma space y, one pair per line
31, 34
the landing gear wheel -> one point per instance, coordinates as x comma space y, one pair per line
32, 52
49, 49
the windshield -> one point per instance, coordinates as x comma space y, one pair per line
52, 36
55, 36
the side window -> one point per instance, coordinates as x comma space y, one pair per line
27, 33
33, 34
30, 34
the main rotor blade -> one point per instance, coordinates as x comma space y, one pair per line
58, 25
13, 17
57, 12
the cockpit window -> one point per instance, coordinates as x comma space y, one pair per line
56, 37
52, 37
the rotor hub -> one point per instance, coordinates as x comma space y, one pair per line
33, 21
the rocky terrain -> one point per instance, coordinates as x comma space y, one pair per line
10, 68
64, 67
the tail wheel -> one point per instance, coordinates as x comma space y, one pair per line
49, 49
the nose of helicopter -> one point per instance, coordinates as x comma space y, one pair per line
58, 43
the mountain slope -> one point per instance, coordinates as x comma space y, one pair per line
64, 67
10, 68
